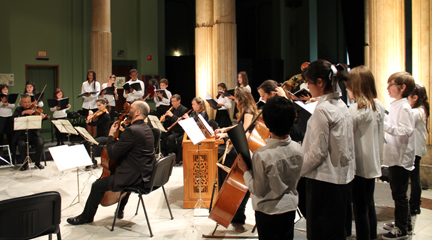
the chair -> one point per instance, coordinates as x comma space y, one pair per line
213, 124
30, 216
157, 135
161, 174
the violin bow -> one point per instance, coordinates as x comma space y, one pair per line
40, 95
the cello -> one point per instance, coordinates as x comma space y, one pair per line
109, 165
234, 188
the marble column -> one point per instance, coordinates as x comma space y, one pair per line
385, 38
421, 46
101, 54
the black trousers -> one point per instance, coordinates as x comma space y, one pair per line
161, 110
326, 205
275, 227
364, 207
415, 197
60, 136
99, 187
34, 140
6, 127
399, 187
223, 118
173, 144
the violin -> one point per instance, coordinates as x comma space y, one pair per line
38, 111
96, 115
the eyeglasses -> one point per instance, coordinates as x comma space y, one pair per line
392, 84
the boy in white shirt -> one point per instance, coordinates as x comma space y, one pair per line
275, 173
132, 94
399, 150
162, 103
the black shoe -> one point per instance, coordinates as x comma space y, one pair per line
23, 168
120, 214
40, 166
78, 220
88, 168
415, 212
94, 165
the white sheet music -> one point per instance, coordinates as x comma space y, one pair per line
192, 130
64, 126
310, 107
86, 135
206, 125
28, 122
156, 123
68, 157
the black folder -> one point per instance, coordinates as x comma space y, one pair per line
228, 92
37, 96
239, 141
163, 93
109, 91
11, 98
213, 103
62, 103
302, 92
128, 86
82, 94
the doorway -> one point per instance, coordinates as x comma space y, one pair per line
43, 75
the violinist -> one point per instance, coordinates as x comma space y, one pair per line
59, 114
101, 119
134, 152
34, 136
172, 140
275, 173
247, 111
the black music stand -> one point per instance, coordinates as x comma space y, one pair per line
26, 123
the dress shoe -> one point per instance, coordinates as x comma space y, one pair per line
78, 220
40, 166
120, 214
94, 166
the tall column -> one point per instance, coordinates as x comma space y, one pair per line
101, 54
203, 47
385, 36
422, 46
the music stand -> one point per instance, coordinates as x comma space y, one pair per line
64, 126
196, 136
69, 157
9, 163
26, 123
86, 135
155, 122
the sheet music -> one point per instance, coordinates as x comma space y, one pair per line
28, 122
68, 157
192, 130
206, 125
156, 123
310, 107
86, 135
64, 126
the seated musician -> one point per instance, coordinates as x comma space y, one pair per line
275, 173
101, 119
199, 108
34, 137
247, 110
134, 152
171, 142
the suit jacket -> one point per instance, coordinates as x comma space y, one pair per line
135, 156
177, 130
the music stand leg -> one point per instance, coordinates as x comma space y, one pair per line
27, 159
200, 205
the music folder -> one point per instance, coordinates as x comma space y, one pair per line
109, 91
62, 103
128, 86
11, 98
302, 92
37, 96
82, 94
239, 141
228, 92
212, 102
163, 93
310, 107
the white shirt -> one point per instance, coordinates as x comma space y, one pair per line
6, 111
109, 97
420, 132
225, 101
135, 95
59, 113
274, 176
368, 139
90, 102
247, 87
399, 135
328, 145
164, 101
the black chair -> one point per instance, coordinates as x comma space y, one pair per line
213, 124
157, 135
30, 216
161, 174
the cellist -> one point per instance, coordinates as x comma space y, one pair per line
134, 152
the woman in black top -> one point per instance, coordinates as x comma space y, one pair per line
101, 119
199, 108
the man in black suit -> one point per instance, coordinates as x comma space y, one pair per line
134, 152
172, 141
34, 136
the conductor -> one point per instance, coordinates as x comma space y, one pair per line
135, 155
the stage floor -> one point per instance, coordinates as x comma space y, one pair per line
184, 226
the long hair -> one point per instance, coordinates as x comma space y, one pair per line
34, 87
268, 86
57, 91
323, 69
245, 79
3, 86
422, 100
201, 103
94, 77
245, 101
104, 101
362, 84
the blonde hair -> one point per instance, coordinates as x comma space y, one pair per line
362, 85
200, 102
